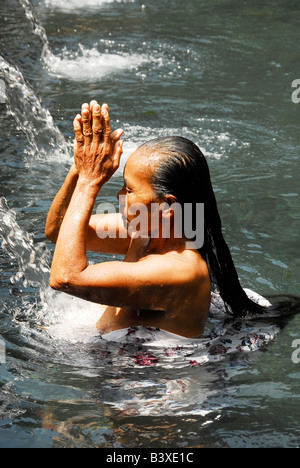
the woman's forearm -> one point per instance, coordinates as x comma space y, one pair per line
60, 205
69, 257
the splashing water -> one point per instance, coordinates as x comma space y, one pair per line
90, 64
85, 64
36, 27
66, 5
69, 318
35, 121
33, 260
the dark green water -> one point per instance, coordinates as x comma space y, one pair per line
219, 72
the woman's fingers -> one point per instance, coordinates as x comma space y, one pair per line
94, 144
118, 151
94, 125
77, 124
106, 123
97, 121
92, 103
116, 135
86, 124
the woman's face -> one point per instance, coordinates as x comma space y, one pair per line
137, 194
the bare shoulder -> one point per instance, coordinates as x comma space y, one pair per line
186, 267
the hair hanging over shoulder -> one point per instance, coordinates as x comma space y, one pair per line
183, 172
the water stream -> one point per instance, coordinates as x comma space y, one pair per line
219, 73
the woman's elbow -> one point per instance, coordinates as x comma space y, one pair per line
59, 283
54, 284
51, 234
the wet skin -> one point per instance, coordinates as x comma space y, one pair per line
159, 283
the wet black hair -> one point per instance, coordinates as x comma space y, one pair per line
183, 172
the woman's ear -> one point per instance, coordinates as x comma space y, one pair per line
169, 200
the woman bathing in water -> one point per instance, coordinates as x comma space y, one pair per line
163, 281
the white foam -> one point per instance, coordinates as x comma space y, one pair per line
90, 64
69, 318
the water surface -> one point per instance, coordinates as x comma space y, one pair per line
218, 72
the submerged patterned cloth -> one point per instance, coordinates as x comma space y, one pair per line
148, 346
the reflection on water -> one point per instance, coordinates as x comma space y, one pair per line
219, 74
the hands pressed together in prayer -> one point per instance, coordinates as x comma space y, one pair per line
97, 151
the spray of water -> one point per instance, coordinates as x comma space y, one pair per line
36, 27
85, 64
77, 5
68, 318
45, 139
33, 260
90, 64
